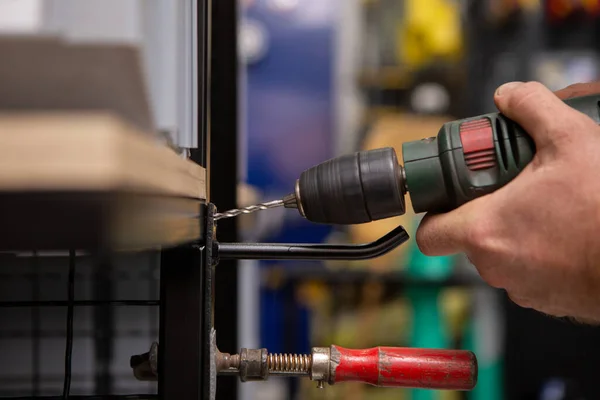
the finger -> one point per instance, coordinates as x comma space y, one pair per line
539, 111
520, 300
578, 89
444, 234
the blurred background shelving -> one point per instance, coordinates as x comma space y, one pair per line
317, 78
326, 77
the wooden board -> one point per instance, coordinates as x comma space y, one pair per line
90, 180
90, 151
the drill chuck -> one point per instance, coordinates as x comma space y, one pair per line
353, 189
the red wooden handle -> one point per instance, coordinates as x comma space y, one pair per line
405, 367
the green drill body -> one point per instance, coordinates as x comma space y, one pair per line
463, 163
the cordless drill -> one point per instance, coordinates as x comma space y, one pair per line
468, 159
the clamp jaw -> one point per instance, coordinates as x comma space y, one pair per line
377, 366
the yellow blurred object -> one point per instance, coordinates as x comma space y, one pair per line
431, 30
247, 195
274, 278
393, 130
312, 294
534, 5
456, 305
371, 322
395, 77
591, 6
447, 395
502, 10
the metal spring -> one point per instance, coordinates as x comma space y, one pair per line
300, 363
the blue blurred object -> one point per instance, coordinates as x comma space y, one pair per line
288, 45
560, 389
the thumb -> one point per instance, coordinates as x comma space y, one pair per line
448, 233
539, 111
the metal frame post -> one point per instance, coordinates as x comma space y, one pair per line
186, 271
224, 117
187, 276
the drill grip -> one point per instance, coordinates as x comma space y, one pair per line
472, 157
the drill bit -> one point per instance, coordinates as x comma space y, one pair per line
250, 209
288, 201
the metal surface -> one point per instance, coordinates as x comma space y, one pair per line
208, 303
83, 220
191, 70
321, 358
226, 362
289, 364
378, 366
186, 312
277, 251
253, 365
225, 117
70, 312
186, 319
258, 364
249, 209
213, 365
194, 115
145, 366
298, 198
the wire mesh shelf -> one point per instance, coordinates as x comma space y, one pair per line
69, 323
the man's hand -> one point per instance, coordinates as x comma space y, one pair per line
538, 237
579, 89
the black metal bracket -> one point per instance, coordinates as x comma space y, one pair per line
282, 251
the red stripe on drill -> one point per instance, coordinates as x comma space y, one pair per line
477, 138
405, 367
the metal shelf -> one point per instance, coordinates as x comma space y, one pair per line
103, 186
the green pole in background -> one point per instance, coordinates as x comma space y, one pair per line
427, 321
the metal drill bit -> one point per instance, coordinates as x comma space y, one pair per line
250, 209
289, 201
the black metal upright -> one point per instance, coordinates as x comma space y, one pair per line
186, 271
188, 304
224, 173
181, 371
